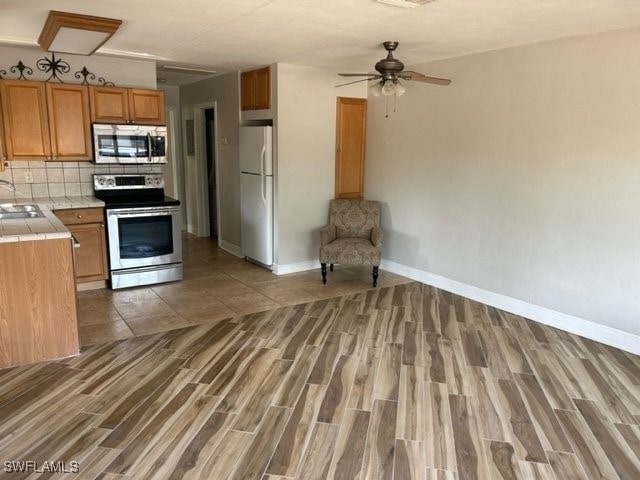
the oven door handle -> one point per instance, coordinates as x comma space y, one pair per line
142, 213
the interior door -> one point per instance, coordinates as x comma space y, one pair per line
351, 114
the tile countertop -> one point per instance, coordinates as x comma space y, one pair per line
47, 227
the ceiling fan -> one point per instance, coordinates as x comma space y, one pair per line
390, 72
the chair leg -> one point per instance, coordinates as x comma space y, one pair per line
375, 276
331, 267
323, 269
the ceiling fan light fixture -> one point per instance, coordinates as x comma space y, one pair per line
400, 89
388, 89
405, 3
376, 89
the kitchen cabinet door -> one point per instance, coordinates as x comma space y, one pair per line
351, 114
247, 90
26, 125
263, 89
109, 104
87, 226
255, 89
69, 121
91, 255
3, 155
146, 107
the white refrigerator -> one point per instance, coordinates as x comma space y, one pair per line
256, 194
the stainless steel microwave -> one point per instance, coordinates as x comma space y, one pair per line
129, 144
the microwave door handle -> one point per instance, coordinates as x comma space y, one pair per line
149, 145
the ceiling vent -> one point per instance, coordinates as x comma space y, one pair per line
185, 70
405, 3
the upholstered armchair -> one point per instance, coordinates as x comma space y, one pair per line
352, 237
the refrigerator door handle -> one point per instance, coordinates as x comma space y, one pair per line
263, 181
263, 158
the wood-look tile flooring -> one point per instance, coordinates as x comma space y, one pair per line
400, 382
216, 285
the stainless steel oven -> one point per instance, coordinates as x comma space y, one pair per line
143, 230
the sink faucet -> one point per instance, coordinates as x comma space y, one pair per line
8, 184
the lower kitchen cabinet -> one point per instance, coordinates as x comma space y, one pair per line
87, 227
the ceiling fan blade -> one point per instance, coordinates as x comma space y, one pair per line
356, 74
410, 75
356, 81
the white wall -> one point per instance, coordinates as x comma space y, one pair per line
305, 145
122, 72
522, 178
173, 170
224, 91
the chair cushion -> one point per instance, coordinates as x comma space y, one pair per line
350, 251
354, 218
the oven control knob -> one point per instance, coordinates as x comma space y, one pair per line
157, 181
111, 182
101, 181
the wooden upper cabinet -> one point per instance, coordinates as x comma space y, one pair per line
351, 116
109, 104
3, 155
68, 107
146, 106
255, 89
26, 126
127, 105
263, 89
247, 90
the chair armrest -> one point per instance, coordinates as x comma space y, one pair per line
376, 236
327, 234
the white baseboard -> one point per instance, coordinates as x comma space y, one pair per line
579, 326
295, 267
231, 248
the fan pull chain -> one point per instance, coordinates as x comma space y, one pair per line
386, 107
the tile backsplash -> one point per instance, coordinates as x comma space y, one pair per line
59, 179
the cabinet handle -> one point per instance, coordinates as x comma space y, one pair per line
102, 225
79, 216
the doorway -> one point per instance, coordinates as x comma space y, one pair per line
204, 174
210, 157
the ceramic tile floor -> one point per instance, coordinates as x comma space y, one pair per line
216, 285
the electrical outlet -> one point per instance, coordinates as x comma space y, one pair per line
28, 177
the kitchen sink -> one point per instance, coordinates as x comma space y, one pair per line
13, 211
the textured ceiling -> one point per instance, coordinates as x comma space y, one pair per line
228, 35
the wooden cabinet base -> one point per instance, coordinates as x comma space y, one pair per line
38, 317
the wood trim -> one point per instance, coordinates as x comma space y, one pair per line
56, 20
